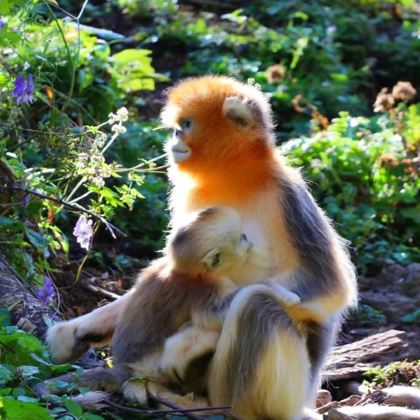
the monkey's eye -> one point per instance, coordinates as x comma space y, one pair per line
213, 259
186, 126
216, 260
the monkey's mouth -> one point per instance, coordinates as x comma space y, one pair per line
180, 153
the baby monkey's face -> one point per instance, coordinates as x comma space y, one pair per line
212, 241
231, 251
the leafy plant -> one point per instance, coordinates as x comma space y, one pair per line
56, 79
24, 363
393, 374
361, 172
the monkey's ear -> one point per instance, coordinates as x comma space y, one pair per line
213, 259
239, 110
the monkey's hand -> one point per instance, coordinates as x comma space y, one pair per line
64, 341
69, 340
285, 296
183, 348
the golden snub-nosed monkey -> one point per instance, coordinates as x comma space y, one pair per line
268, 360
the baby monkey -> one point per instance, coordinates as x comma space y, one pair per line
208, 247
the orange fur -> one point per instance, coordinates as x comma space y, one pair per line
228, 166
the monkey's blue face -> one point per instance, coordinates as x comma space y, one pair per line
177, 147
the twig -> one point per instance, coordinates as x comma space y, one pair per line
82, 10
111, 228
157, 412
87, 284
169, 404
140, 165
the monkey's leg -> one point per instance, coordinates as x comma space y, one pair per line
319, 341
148, 380
261, 366
184, 347
68, 340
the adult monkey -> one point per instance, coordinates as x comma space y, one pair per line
269, 357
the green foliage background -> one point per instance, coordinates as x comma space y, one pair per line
331, 60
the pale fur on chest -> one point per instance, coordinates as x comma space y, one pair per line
272, 253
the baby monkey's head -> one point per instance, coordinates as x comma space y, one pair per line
211, 241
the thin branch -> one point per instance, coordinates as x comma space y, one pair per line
160, 412
74, 206
171, 405
68, 14
68, 52
82, 10
89, 285
141, 165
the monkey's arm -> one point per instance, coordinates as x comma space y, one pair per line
318, 309
68, 340
309, 304
324, 277
160, 304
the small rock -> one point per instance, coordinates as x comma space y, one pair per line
323, 397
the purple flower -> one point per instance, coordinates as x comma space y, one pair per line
46, 293
83, 232
24, 90
2, 25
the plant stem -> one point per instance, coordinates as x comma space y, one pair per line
140, 165
78, 185
74, 206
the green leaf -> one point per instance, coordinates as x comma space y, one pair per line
91, 416
130, 55
412, 318
5, 6
35, 238
18, 392
5, 375
11, 409
27, 372
6, 221
4, 317
74, 408
24, 346
25, 398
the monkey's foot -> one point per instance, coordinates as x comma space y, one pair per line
286, 297
142, 391
184, 347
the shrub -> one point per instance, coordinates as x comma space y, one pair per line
56, 81
362, 172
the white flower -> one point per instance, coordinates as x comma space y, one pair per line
112, 118
98, 181
99, 140
122, 113
83, 232
118, 129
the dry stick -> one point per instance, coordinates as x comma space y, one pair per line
73, 206
159, 412
88, 285
170, 404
